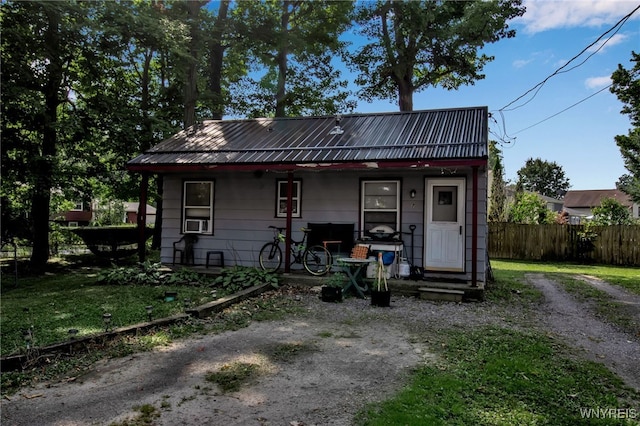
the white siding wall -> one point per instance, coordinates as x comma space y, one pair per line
245, 205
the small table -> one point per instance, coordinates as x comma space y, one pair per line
353, 268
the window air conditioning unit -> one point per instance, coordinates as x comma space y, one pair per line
196, 225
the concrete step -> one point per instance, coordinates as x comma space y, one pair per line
441, 294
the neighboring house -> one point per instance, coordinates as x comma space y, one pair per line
552, 204
80, 215
580, 204
228, 180
131, 213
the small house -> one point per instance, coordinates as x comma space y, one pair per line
420, 176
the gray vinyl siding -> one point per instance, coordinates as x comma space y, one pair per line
245, 205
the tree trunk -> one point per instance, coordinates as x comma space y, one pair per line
405, 94
43, 173
156, 242
281, 60
191, 83
216, 61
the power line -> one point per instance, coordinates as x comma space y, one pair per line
560, 112
538, 86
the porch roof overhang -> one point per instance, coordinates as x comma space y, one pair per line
417, 139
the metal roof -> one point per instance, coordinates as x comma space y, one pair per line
445, 134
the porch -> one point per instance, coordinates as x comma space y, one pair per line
437, 290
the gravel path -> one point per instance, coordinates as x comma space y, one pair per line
562, 315
354, 354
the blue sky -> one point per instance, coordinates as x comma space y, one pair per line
580, 140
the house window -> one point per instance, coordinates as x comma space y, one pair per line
197, 210
380, 204
78, 207
281, 196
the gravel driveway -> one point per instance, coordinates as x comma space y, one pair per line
354, 354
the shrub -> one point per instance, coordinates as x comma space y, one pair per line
239, 278
146, 273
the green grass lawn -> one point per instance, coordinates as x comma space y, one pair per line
53, 304
627, 277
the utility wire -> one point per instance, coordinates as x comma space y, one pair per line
560, 112
538, 86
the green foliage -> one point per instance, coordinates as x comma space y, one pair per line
544, 177
611, 212
186, 276
417, 44
150, 273
528, 208
498, 200
337, 279
109, 212
146, 273
626, 86
239, 278
292, 45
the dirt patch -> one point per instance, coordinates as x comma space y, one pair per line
352, 354
573, 322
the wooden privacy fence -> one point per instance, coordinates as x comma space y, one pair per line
614, 245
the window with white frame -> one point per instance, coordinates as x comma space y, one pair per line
380, 204
197, 207
281, 196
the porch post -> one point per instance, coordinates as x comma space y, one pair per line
142, 216
287, 243
474, 229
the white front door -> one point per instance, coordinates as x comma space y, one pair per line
444, 222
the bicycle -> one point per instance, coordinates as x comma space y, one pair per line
315, 259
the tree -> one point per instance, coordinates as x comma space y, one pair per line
293, 42
529, 208
417, 44
37, 86
88, 94
543, 177
498, 200
611, 212
626, 86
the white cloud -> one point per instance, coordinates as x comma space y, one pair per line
547, 15
615, 39
597, 82
519, 63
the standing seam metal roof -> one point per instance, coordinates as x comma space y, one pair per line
418, 135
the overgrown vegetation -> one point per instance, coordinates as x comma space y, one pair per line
285, 352
240, 278
232, 376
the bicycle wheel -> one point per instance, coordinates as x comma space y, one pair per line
317, 260
270, 257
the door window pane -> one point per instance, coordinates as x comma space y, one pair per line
445, 204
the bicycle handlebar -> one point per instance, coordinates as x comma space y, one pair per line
305, 230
